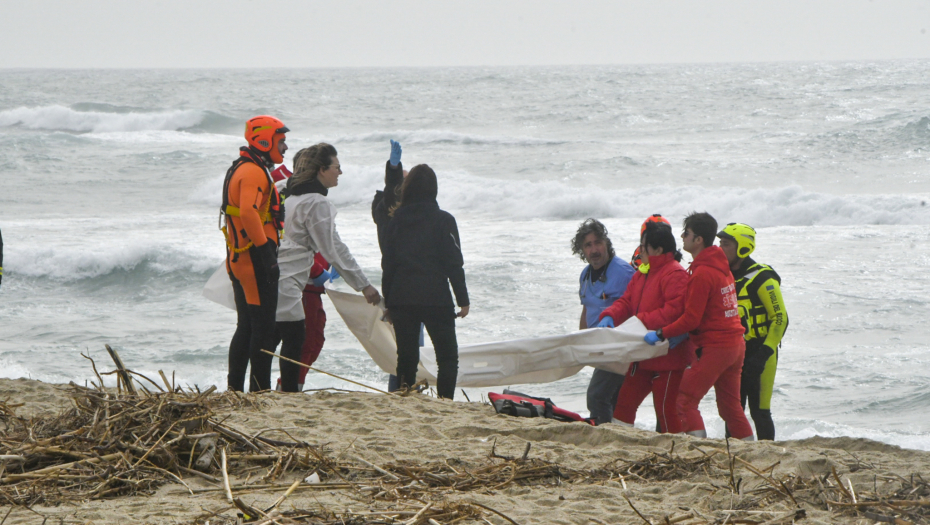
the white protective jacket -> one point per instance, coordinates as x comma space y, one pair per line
310, 227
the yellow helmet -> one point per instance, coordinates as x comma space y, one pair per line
743, 235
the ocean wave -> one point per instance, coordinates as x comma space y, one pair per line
888, 136
762, 207
134, 258
916, 132
60, 118
10, 369
798, 429
559, 199
430, 136
160, 137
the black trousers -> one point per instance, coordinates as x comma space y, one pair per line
291, 334
254, 332
440, 325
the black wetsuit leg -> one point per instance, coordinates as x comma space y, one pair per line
263, 337
254, 332
292, 342
239, 346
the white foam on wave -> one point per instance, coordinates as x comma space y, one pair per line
791, 429
785, 206
13, 370
173, 243
71, 263
66, 119
801, 429
558, 199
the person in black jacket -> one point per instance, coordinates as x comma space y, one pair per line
381, 207
422, 255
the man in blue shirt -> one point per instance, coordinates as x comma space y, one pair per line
602, 282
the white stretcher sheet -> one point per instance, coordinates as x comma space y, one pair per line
521, 361
537, 360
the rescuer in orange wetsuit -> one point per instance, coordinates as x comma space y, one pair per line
253, 215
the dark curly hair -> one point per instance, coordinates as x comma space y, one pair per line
587, 227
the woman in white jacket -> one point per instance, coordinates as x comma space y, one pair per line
310, 227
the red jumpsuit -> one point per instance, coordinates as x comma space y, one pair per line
315, 320
712, 318
656, 298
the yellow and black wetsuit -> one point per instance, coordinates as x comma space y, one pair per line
763, 314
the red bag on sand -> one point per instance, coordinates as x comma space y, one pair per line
520, 405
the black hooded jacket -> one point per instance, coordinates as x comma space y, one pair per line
422, 255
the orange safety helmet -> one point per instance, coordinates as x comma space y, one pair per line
263, 133
655, 217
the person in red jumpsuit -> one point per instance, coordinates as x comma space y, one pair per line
712, 318
656, 296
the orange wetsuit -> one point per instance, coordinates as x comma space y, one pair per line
252, 266
249, 190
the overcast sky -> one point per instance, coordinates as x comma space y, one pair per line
352, 33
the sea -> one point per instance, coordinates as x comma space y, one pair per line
110, 184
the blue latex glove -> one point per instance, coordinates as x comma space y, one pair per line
651, 338
395, 153
333, 273
606, 322
321, 279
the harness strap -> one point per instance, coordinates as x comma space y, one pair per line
227, 210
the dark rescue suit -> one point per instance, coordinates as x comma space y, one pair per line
765, 319
253, 215
381, 206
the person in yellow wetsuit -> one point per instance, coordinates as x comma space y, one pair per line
765, 319
253, 215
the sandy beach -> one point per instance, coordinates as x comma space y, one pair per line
605, 471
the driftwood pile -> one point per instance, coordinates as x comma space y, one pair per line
109, 444
143, 435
